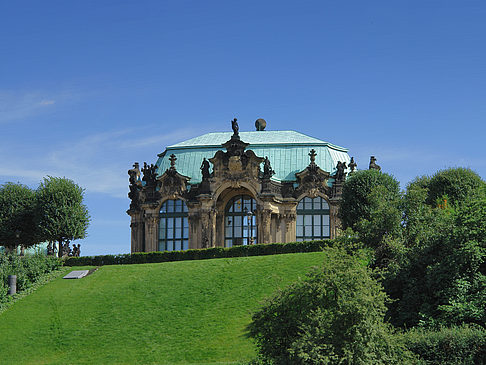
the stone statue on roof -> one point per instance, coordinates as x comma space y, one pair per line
205, 169
234, 126
373, 164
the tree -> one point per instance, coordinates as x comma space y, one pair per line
371, 207
442, 277
334, 316
61, 214
457, 184
17, 208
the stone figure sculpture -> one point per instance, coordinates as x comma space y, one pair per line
205, 169
373, 164
234, 126
352, 165
340, 174
267, 169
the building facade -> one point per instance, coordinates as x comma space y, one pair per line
240, 188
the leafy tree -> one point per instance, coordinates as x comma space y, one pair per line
17, 208
61, 214
454, 183
442, 277
334, 316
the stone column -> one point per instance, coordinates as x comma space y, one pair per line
151, 228
137, 227
290, 226
334, 219
265, 225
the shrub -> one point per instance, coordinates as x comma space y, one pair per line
334, 316
29, 269
465, 344
200, 254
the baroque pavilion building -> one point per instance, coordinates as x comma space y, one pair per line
238, 188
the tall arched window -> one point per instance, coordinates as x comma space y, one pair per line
312, 219
173, 226
240, 221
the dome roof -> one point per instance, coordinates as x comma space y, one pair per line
288, 152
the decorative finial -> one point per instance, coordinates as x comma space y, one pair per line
260, 124
313, 155
172, 160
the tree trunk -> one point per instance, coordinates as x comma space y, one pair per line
59, 251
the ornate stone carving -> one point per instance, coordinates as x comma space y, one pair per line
135, 185
312, 180
172, 184
340, 174
352, 165
236, 164
149, 174
373, 164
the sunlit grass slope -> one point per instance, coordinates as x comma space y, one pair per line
167, 313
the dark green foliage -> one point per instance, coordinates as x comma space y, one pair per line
454, 183
442, 277
334, 316
448, 346
371, 206
27, 268
200, 254
61, 214
357, 198
17, 208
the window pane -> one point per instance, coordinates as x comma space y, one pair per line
170, 206
238, 220
308, 231
184, 206
177, 246
300, 220
300, 231
186, 233
237, 232
324, 204
229, 231
163, 208
185, 245
178, 222
178, 206
317, 231
325, 220
178, 233
185, 222
317, 203
307, 220
170, 245
170, 233
326, 231
300, 206
228, 243
317, 220
161, 246
238, 205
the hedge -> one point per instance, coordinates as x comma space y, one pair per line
464, 344
29, 269
199, 254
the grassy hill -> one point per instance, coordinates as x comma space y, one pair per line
167, 313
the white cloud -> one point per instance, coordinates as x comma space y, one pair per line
16, 106
97, 162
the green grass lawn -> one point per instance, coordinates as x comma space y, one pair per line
167, 313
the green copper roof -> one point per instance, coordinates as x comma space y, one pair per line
288, 152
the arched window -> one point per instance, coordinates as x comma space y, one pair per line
240, 221
173, 226
312, 219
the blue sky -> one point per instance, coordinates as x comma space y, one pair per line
89, 87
